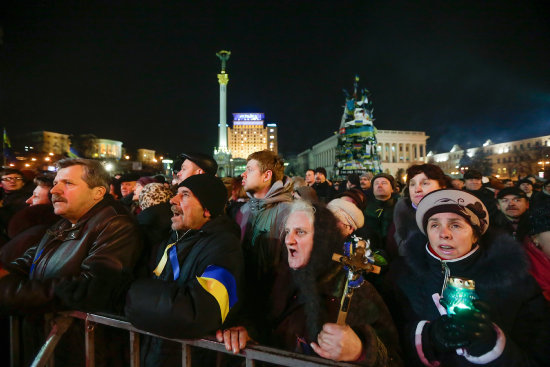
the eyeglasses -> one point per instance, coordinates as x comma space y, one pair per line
11, 179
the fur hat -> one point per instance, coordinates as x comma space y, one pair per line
154, 194
347, 213
145, 180
209, 190
453, 201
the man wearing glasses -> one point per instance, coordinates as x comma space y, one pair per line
14, 194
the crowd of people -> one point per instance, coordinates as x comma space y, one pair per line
249, 259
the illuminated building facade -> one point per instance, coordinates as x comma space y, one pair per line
146, 156
106, 148
250, 134
398, 149
45, 142
508, 160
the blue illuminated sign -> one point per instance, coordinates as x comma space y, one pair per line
248, 117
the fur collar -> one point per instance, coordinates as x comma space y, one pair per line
499, 264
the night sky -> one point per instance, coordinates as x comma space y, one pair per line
144, 72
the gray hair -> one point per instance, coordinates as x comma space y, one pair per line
94, 175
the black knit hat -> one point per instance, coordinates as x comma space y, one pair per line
206, 162
525, 180
472, 174
387, 177
209, 190
353, 178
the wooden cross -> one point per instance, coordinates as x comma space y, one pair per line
357, 264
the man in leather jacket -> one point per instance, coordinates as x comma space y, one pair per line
95, 239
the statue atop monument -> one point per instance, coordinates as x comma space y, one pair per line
223, 55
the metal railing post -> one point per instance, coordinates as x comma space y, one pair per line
15, 346
134, 349
89, 328
185, 355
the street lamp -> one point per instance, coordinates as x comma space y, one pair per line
543, 166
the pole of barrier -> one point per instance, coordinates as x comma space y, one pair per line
15, 347
134, 349
60, 324
90, 342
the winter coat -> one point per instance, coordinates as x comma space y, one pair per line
404, 219
261, 222
378, 217
105, 237
325, 192
523, 226
182, 308
288, 317
500, 270
154, 222
540, 265
25, 229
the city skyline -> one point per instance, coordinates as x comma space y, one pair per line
146, 74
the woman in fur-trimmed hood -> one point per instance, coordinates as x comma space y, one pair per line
509, 325
306, 298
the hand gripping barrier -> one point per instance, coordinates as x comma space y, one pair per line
60, 322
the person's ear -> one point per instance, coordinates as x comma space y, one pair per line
268, 175
99, 192
206, 214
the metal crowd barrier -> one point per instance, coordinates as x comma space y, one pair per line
62, 321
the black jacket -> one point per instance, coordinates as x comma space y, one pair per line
325, 192
154, 223
105, 237
523, 226
500, 271
183, 308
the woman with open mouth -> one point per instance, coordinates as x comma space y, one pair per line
509, 322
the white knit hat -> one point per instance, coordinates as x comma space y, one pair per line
347, 213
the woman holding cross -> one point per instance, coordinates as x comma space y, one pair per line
305, 302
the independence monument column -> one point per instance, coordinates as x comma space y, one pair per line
222, 154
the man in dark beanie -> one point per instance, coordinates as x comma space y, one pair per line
526, 186
379, 210
196, 286
325, 191
473, 184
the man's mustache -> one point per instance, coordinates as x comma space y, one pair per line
57, 198
176, 209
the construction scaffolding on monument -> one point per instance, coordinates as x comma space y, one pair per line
357, 149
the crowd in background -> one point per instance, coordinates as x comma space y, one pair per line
268, 239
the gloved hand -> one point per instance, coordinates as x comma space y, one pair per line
476, 327
104, 291
445, 335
